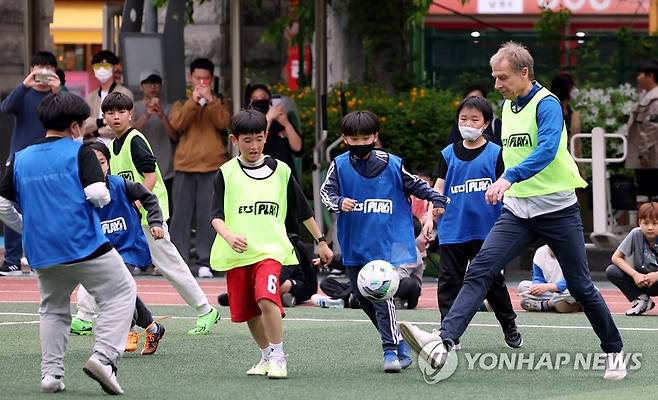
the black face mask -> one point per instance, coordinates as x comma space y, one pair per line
361, 150
261, 105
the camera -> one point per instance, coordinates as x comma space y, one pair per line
42, 76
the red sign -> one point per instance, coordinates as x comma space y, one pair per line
292, 67
619, 7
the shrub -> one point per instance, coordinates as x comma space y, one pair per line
415, 125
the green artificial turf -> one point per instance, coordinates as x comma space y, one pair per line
332, 354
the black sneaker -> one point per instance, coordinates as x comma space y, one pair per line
10, 270
354, 302
222, 299
513, 339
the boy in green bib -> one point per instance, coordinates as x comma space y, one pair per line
253, 194
133, 159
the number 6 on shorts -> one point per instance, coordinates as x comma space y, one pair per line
272, 284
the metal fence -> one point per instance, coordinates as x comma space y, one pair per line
457, 60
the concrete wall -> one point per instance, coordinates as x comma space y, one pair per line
209, 37
12, 45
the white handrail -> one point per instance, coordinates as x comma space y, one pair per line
600, 191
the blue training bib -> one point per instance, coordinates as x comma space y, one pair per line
380, 227
468, 216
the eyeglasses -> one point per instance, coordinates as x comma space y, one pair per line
152, 84
98, 66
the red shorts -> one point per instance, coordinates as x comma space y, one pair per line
251, 283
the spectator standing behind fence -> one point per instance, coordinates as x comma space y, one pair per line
103, 65
199, 122
642, 153
22, 102
151, 119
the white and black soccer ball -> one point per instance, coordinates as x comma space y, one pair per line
378, 280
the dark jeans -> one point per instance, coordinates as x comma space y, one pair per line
381, 313
13, 245
452, 269
563, 232
646, 181
627, 285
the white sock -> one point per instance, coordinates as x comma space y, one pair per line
265, 353
277, 350
153, 328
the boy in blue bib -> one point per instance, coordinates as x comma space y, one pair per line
369, 190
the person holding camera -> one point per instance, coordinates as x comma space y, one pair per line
283, 139
199, 123
22, 102
637, 279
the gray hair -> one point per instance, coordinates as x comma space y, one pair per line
517, 55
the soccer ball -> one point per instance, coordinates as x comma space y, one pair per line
378, 280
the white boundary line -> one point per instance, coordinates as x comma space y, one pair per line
636, 329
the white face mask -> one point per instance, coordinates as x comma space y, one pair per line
469, 133
77, 134
103, 74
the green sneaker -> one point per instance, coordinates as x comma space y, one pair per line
81, 327
205, 322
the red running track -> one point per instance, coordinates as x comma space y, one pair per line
158, 291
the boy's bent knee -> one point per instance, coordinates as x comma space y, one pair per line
614, 272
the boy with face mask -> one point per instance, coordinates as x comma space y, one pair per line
370, 189
103, 64
465, 171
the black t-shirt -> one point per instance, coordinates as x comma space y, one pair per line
142, 156
279, 147
89, 170
465, 154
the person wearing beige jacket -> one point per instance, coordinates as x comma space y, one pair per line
199, 122
642, 155
103, 64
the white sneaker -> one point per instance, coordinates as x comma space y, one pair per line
641, 305
204, 272
50, 384
615, 367
278, 368
104, 374
259, 369
326, 301
417, 338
